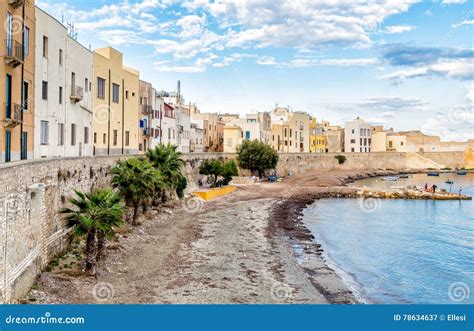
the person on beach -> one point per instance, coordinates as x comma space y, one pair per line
426, 186
434, 188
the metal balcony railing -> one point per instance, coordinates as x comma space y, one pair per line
147, 132
147, 109
13, 114
13, 53
77, 93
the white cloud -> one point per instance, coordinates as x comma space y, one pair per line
191, 25
453, 2
398, 29
465, 22
350, 62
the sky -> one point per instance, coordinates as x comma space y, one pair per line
404, 64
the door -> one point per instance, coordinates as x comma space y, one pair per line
24, 145
8, 146
8, 97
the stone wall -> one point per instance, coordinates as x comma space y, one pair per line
32, 192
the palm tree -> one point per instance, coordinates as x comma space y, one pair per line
93, 214
169, 162
136, 180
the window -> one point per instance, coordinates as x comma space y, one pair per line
100, 88
60, 57
45, 47
73, 81
401, 143
95, 137
60, 95
352, 150
115, 137
60, 134
86, 135
44, 132
9, 27
291, 132
127, 138
86, 84
73, 134
104, 138
25, 96
247, 135
115, 93
353, 130
126, 95
45, 90
353, 141
26, 46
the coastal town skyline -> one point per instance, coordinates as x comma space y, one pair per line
415, 59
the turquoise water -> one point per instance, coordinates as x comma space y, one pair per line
400, 251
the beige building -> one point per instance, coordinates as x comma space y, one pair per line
145, 114
379, 139
214, 130
116, 104
290, 131
335, 140
232, 137
17, 69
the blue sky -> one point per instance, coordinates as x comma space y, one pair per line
405, 64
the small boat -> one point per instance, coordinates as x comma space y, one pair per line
433, 174
462, 173
449, 181
390, 178
404, 176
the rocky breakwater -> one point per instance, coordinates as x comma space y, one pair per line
410, 193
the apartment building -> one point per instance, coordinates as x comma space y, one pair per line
215, 130
116, 103
168, 124
232, 137
196, 138
146, 131
357, 136
290, 131
183, 128
379, 139
335, 140
256, 126
158, 106
63, 96
17, 69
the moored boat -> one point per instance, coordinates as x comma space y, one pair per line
433, 174
404, 176
449, 181
390, 178
462, 173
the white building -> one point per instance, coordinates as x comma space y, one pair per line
357, 136
168, 124
196, 139
158, 106
256, 126
63, 97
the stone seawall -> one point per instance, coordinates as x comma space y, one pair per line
32, 192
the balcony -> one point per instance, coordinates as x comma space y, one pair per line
77, 93
16, 3
13, 53
147, 109
147, 132
13, 115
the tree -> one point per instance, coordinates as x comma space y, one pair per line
256, 156
182, 184
229, 169
341, 158
136, 180
216, 168
169, 162
211, 167
92, 215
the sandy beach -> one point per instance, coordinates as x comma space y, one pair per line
241, 248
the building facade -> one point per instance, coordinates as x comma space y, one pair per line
17, 69
232, 137
168, 124
196, 140
214, 132
357, 136
290, 131
63, 96
145, 110
116, 104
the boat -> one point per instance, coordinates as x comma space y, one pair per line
433, 174
449, 181
462, 173
390, 178
404, 176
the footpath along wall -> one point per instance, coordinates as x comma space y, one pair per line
32, 192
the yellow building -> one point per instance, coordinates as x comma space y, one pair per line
232, 137
317, 136
116, 104
290, 131
17, 59
312, 135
